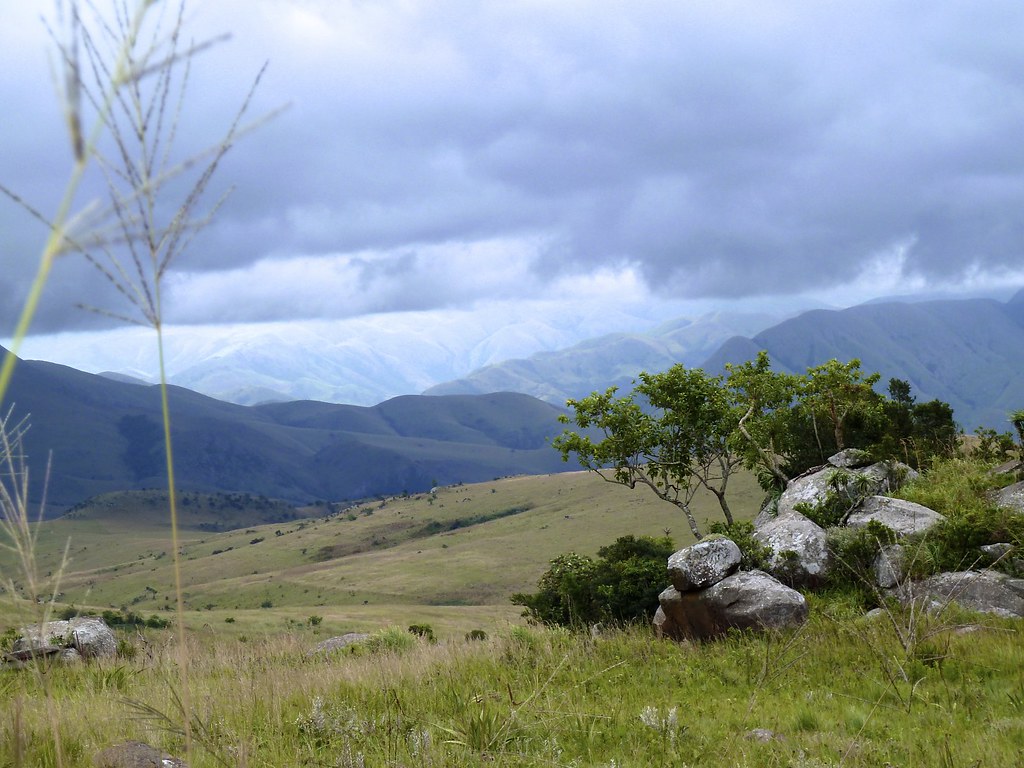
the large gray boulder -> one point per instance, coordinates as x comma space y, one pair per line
903, 517
982, 591
338, 643
745, 600
799, 548
889, 566
1011, 497
90, 637
702, 564
850, 458
814, 487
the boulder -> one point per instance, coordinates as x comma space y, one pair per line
814, 486
135, 754
337, 643
705, 563
903, 517
799, 549
850, 458
1007, 557
90, 637
888, 567
1011, 497
744, 600
982, 591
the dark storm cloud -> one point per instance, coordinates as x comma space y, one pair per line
724, 149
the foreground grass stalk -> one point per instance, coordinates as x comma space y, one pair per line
84, 152
183, 657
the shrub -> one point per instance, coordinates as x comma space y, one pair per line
621, 585
423, 630
389, 640
475, 634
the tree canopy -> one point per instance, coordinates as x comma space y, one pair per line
683, 429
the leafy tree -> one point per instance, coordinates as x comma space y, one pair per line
671, 434
916, 433
763, 435
835, 391
1017, 419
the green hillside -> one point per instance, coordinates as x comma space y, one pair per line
106, 436
463, 546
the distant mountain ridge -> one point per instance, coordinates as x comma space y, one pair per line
968, 352
611, 360
106, 435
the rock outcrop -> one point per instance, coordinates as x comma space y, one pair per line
714, 599
1011, 497
856, 483
905, 518
135, 754
799, 549
982, 591
82, 637
705, 563
338, 643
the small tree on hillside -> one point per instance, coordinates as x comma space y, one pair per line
837, 391
670, 434
763, 436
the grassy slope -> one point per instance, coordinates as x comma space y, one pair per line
354, 563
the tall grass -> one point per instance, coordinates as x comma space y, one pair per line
122, 79
531, 696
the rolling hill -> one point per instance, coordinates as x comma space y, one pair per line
106, 435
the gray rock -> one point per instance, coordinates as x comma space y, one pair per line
745, 600
799, 549
762, 735
982, 591
337, 643
850, 458
705, 563
997, 551
889, 566
90, 637
1011, 467
135, 754
1011, 497
813, 487
903, 517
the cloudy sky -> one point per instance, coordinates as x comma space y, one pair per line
655, 157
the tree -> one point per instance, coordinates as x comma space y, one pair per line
671, 434
836, 391
763, 436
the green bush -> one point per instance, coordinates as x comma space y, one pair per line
853, 552
423, 630
620, 586
389, 640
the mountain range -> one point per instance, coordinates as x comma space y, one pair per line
105, 433
968, 353
611, 360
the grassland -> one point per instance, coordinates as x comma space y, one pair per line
452, 557
904, 689
841, 691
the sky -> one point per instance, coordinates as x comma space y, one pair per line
651, 158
